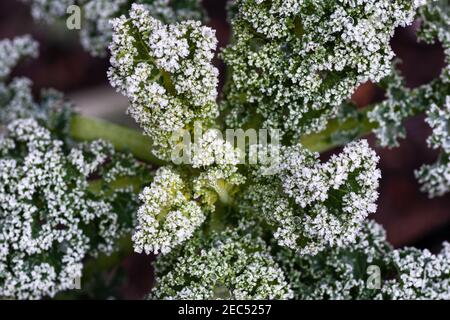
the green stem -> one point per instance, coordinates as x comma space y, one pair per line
123, 182
84, 128
324, 140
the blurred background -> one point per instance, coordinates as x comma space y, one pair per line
410, 218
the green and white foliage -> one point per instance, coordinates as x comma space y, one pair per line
312, 205
166, 73
16, 97
59, 201
431, 98
435, 25
402, 102
96, 31
16, 100
52, 110
368, 269
293, 63
391, 113
233, 264
419, 275
168, 216
338, 273
434, 18
12, 51
435, 178
439, 121
179, 199
218, 161
290, 226
50, 220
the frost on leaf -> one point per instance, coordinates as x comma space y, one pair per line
96, 31
233, 264
48, 212
344, 273
293, 63
177, 203
166, 72
435, 178
338, 273
421, 275
168, 215
16, 96
313, 205
12, 51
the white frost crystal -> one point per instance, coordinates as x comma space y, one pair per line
337, 273
45, 209
165, 71
422, 275
315, 205
226, 266
294, 62
96, 30
219, 160
344, 273
11, 51
435, 178
390, 114
168, 215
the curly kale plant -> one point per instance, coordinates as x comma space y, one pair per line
285, 226
96, 31
59, 200
293, 63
